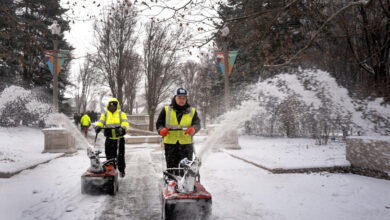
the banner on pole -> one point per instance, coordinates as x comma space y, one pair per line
221, 60
61, 56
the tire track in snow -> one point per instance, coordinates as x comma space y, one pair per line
139, 195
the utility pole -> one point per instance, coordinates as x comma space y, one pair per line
226, 76
55, 76
224, 34
55, 30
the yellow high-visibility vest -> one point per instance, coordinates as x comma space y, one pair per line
113, 120
85, 120
174, 133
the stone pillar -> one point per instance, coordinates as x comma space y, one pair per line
58, 140
229, 140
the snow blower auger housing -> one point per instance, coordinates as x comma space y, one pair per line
184, 197
101, 177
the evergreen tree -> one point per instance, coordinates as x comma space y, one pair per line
25, 36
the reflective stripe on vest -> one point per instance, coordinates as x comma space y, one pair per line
114, 137
172, 123
105, 120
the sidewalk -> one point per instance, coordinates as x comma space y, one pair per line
286, 155
21, 149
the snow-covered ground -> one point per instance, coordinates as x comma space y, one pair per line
286, 153
240, 190
243, 191
20, 148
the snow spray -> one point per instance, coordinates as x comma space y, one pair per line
230, 121
61, 120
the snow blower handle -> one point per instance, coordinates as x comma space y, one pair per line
94, 143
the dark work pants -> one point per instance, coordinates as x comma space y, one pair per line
174, 153
111, 152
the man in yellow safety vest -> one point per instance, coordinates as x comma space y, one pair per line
85, 122
177, 123
116, 125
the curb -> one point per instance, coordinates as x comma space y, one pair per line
334, 169
10, 174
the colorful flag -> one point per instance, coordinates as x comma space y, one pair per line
49, 63
221, 59
61, 56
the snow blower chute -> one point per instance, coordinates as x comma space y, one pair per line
184, 197
101, 177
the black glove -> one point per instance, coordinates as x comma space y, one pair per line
98, 129
121, 131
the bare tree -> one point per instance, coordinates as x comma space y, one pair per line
205, 81
133, 72
189, 80
86, 79
160, 64
115, 41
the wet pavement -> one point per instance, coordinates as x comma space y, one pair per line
139, 195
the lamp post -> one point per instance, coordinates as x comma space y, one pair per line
224, 34
55, 30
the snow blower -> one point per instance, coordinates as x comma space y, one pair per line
184, 197
101, 177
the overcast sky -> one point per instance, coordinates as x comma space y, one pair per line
81, 35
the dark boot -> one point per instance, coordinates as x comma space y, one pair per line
122, 173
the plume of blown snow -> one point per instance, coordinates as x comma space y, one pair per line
231, 120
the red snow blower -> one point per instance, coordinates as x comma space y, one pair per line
101, 177
184, 197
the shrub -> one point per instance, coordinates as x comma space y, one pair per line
19, 106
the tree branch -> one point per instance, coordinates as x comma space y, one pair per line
358, 3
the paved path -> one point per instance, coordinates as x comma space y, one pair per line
139, 195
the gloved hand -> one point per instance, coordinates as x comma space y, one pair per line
121, 131
190, 131
164, 132
98, 129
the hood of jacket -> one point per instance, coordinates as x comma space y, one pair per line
113, 100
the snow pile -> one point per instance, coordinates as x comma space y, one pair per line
21, 107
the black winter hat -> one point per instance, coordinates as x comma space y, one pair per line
181, 92
114, 103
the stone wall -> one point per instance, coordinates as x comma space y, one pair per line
140, 121
369, 154
142, 139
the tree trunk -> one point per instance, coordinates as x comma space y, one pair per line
151, 112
